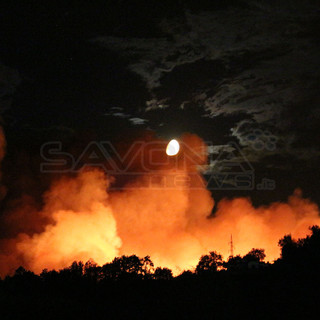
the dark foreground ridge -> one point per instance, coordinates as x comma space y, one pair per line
131, 288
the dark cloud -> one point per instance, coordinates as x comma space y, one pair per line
259, 59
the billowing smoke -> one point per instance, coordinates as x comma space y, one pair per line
164, 212
82, 227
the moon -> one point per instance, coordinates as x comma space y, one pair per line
173, 147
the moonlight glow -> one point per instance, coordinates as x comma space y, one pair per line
173, 147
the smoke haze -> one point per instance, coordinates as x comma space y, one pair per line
83, 218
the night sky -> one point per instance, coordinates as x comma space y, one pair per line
240, 72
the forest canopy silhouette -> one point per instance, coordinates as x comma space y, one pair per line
237, 286
295, 253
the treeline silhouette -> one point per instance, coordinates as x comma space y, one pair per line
130, 287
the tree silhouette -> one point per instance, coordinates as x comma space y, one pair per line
127, 267
162, 274
209, 263
289, 248
234, 263
21, 271
186, 275
304, 252
49, 276
255, 255
147, 267
310, 248
75, 271
92, 270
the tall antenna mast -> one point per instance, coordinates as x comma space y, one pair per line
231, 247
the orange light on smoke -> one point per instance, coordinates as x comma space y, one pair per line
89, 220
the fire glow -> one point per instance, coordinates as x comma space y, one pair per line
85, 219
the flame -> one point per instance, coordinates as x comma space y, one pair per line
82, 219
173, 148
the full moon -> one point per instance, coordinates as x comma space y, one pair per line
173, 147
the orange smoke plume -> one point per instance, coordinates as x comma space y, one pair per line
164, 213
